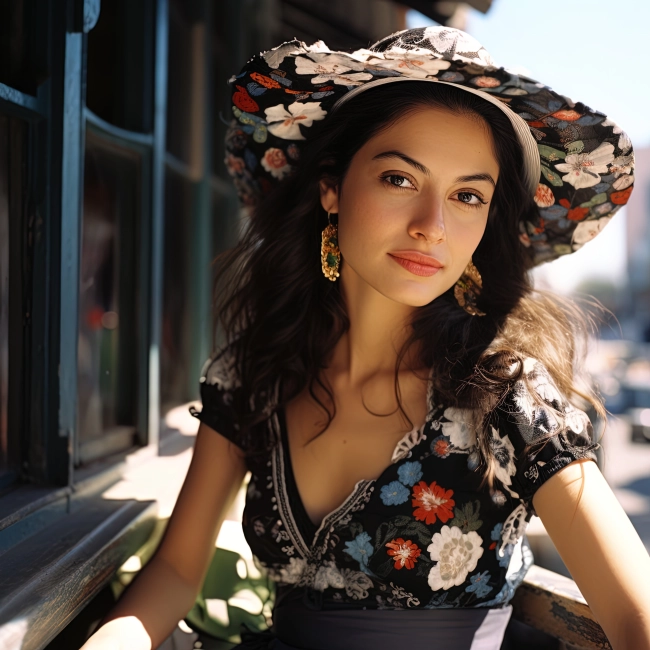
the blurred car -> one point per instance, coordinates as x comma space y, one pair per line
635, 392
621, 371
637, 398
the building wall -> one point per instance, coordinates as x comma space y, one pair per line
638, 247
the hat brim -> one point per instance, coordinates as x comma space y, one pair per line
522, 131
578, 163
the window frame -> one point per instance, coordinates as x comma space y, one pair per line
46, 345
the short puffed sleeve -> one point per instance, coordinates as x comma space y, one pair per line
536, 433
218, 385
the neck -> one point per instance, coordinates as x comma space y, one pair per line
378, 329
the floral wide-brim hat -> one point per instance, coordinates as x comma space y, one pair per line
579, 164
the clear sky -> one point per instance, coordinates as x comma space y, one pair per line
595, 52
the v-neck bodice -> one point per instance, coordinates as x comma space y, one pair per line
303, 520
427, 533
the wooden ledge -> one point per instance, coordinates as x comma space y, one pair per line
553, 604
48, 578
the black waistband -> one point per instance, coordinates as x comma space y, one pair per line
299, 628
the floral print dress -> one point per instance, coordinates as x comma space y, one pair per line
425, 534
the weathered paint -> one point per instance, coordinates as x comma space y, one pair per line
553, 604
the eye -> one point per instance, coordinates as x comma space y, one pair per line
470, 198
397, 180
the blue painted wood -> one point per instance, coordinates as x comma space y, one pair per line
72, 174
201, 236
157, 224
141, 142
91, 14
10, 99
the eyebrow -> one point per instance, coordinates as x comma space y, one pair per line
425, 170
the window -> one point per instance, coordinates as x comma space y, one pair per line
175, 382
4, 295
115, 284
109, 317
120, 65
22, 45
186, 278
13, 133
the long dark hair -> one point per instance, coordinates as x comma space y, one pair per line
282, 318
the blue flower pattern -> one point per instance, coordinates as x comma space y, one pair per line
410, 473
495, 536
479, 584
394, 494
360, 549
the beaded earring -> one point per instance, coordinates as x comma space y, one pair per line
330, 255
468, 288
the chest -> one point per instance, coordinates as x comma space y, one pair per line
424, 533
358, 444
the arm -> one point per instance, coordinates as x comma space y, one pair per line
166, 588
601, 550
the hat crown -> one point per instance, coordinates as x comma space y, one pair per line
446, 43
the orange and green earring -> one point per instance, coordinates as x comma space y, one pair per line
468, 288
330, 255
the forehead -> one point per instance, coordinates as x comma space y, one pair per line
436, 136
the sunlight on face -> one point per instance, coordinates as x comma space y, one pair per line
414, 205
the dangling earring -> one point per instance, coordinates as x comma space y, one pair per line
330, 255
468, 288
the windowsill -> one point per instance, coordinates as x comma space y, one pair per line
18, 503
60, 547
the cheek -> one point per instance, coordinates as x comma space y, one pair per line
364, 225
463, 237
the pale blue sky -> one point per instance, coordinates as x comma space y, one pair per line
595, 52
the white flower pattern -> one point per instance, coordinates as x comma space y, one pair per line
356, 583
586, 230
584, 169
417, 67
337, 68
288, 574
459, 429
284, 121
328, 575
504, 453
221, 372
456, 553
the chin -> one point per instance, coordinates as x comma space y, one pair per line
411, 296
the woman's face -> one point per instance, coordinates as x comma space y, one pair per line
414, 204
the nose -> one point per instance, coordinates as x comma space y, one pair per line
429, 223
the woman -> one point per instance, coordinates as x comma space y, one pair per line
405, 403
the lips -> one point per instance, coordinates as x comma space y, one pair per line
417, 263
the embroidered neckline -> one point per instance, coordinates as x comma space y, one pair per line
286, 487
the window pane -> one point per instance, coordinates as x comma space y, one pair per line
224, 64
13, 134
185, 61
108, 300
4, 291
175, 345
22, 45
120, 64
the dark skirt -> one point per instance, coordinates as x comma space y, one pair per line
423, 629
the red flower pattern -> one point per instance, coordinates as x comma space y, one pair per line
406, 553
432, 502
